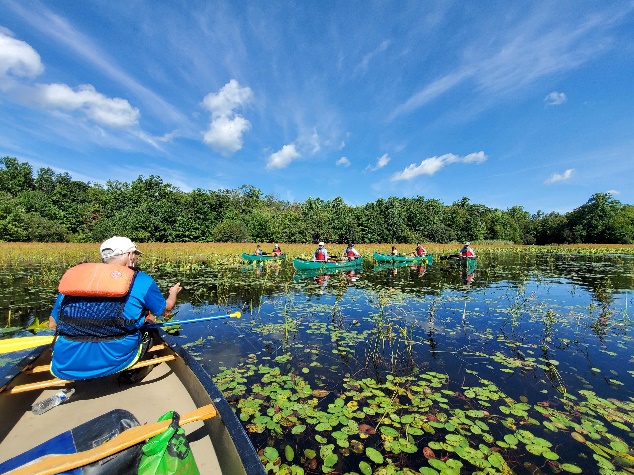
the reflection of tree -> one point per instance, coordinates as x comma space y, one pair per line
604, 299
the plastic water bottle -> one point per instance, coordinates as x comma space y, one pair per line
50, 402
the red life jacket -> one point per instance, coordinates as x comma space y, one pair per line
420, 251
320, 255
467, 253
349, 252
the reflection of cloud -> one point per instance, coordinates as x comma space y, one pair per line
283, 158
380, 163
555, 98
343, 162
431, 165
227, 128
614, 192
560, 176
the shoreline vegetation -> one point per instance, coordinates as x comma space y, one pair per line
46, 206
21, 253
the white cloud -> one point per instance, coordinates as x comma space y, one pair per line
225, 134
343, 162
382, 161
530, 51
227, 127
614, 192
556, 177
229, 98
115, 112
18, 58
431, 165
555, 98
283, 158
368, 57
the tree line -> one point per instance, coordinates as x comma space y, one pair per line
52, 207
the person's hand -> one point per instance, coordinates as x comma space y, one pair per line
175, 289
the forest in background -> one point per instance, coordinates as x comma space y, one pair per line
52, 207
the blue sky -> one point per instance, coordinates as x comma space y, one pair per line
507, 103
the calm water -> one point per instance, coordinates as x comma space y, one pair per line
523, 365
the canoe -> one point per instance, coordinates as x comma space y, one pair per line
307, 264
428, 259
176, 383
471, 263
264, 257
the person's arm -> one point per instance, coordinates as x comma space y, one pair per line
171, 299
52, 320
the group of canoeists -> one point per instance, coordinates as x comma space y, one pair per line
350, 253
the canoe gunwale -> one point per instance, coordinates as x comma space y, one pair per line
306, 264
254, 258
249, 457
204, 389
379, 257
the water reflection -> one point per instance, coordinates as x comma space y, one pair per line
535, 331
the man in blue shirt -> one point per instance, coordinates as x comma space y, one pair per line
98, 334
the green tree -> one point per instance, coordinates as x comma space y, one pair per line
602, 219
15, 176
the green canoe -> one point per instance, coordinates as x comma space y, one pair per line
428, 259
307, 264
264, 257
471, 263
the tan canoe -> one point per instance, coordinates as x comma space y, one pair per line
177, 383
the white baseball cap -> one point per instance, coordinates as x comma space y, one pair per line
117, 246
321, 243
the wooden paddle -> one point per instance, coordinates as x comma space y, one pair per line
24, 343
52, 464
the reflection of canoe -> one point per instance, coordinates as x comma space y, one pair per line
266, 257
177, 383
428, 259
312, 273
391, 265
306, 264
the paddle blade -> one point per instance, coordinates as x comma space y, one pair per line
24, 343
235, 315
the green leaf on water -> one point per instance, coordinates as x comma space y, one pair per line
271, 454
374, 455
570, 468
365, 468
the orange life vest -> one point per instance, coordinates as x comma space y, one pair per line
93, 279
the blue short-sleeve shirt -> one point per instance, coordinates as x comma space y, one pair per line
84, 360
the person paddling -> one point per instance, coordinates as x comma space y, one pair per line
99, 312
321, 254
350, 253
420, 250
277, 250
466, 251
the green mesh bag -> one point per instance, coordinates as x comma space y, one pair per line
168, 453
